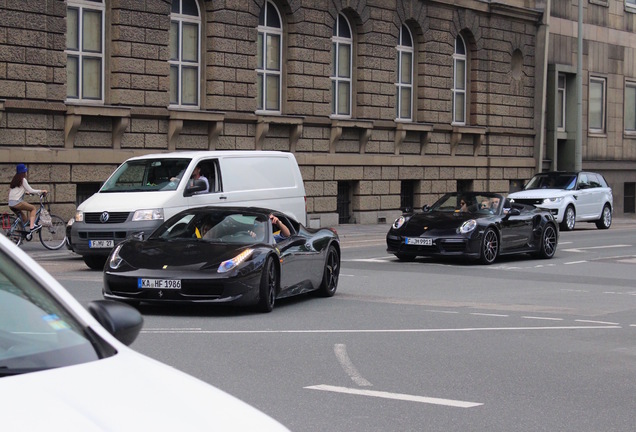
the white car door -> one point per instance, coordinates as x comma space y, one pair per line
584, 198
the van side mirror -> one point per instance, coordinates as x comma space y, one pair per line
194, 186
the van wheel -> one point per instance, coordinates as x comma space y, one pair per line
95, 262
268, 286
606, 218
569, 219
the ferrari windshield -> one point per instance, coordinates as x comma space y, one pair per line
565, 181
36, 331
216, 226
147, 175
469, 202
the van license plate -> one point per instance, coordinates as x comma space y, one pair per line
419, 241
101, 244
159, 283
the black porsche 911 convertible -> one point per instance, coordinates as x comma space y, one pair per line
226, 255
474, 225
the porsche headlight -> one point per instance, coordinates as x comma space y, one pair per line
468, 226
228, 265
115, 259
399, 222
79, 216
147, 215
552, 200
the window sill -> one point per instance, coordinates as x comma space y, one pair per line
75, 113
337, 126
263, 122
478, 135
177, 117
422, 129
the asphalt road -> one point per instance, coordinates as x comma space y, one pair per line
433, 345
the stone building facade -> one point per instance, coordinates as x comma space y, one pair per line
85, 84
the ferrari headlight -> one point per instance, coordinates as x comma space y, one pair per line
552, 200
116, 260
147, 215
228, 265
468, 226
79, 216
399, 222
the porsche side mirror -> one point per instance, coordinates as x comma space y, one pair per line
513, 212
426, 207
121, 320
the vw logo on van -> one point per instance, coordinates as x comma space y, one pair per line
104, 217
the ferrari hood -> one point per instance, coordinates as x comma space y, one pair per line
194, 254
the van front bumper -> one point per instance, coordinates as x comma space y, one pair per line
106, 236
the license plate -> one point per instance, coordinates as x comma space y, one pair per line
419, 241
101, 243
159, 283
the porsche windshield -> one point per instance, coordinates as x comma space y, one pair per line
469, 202
36, 331
147, 175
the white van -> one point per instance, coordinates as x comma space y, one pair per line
146, 190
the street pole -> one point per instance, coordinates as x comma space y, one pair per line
578, 145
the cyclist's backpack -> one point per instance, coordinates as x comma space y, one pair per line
45, 218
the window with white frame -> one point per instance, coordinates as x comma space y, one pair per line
560, 110
459, 82
268, 59
185, 45
404, 86
630, 3
630, 106
342, 47
85, 50
596, 105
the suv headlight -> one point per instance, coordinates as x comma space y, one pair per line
552, 200
147, 215
468, 226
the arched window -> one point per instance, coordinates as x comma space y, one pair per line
459, 82
85, 50
269, 59
185, 45
404, 85
342, 44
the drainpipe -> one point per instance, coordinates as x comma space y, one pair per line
578, 144
545, 28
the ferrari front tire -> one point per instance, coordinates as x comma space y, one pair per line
489, 247
268, 286
331, 273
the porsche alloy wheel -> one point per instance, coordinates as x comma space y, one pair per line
569, 219
331, 273
268, 286
606, 218
548, 242
489, 247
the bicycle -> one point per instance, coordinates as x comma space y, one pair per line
52, 237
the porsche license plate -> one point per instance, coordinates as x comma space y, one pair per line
417, 241
159, 283
93, 244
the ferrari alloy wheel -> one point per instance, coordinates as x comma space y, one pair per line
548, 242
606, 218
332, 272
268, 286
569, 219
489, 247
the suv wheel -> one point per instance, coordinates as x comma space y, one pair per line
569, 219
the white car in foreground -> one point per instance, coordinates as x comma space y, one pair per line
61, 370
571, 197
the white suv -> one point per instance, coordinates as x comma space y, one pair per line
570, 196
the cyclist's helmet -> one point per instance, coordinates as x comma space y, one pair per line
21, 168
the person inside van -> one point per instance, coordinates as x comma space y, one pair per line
196, 175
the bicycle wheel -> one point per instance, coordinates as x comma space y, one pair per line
13, 232
54, 236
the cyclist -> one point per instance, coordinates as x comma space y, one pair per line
18, 187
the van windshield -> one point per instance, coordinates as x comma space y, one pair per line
147, 175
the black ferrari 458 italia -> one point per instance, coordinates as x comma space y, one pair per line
228, 255
474, 225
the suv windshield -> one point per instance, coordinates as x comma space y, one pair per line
36, 332
147, 175
552, 181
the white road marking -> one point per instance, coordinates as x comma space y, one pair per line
596, 322
490, 314
575, 262
583, 249
396, 396
341, 354
610, 326
543, 318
